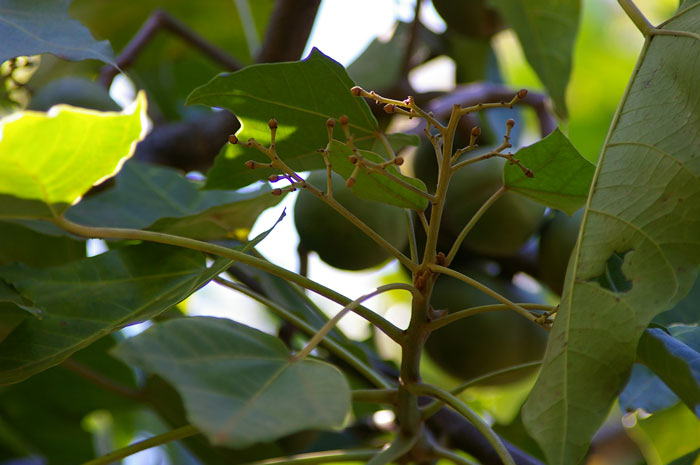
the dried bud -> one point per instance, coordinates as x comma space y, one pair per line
440, 259
273, 178
398, 161
350, 182
522, 93
529, 173
476, 131
390, 108
510, 123
330, 122
272, 123
344, 120
352, 159
232, 139
276, 192
250, 164
356, 91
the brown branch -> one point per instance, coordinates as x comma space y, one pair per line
102, 381
288, 30
158, 20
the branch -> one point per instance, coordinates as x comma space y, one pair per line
102, 381
330, 456
288, 30
158, 20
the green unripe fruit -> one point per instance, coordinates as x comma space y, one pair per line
336, 240
556, 244
486, 342
75, 91
505, 227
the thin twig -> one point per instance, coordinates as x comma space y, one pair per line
102, 381
158, 20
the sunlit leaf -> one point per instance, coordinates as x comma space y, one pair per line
49, 160
238, 384
669, 435
645, 206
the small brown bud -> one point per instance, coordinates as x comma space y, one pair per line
276, 192
440, 258
529, 173
522, 93
344, 120
476, 131
330, 122
352, 159
398, 161
390, 108
273, 178
232, 139
272, 124
510, 122
250, 164
356, 91
350, 182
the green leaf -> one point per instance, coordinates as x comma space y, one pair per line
58, 400
669, 435
547, 31
644, 390
49, 160
677, 364
88, 299
14, 308
645, 205
238, 384
19, 243
684, 312
169, 68
374, 186
44, 26
562, 177
161, 199
302, 96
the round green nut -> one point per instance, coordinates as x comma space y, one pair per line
336, 240
480, 344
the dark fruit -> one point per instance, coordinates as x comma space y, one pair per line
556, 244
505, 227
483, 343
336, 240
75, 91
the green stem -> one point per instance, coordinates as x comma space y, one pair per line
335, 348
375, 396
467, 312
452, 456
432, 408
399, 447
330, 456
150, 236
174, 435
486, 290
469, 414
472, 222
412, 244
330, 324
637, 17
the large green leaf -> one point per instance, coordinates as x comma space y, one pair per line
168, 68
670, 435
161, 199
238, 384
562, 177
88, 299
44, 26
301, 96
19, 243
686, 312
390, 53
643, 221
49, 160
676, 363
547, 31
